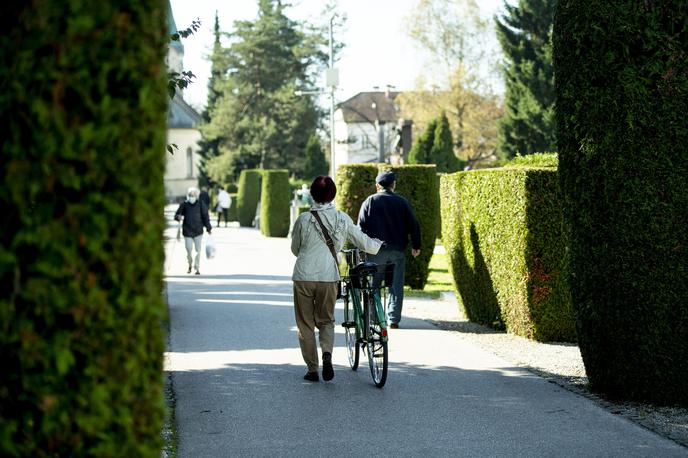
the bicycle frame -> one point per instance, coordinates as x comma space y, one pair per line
365, 319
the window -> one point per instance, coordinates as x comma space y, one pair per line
189, 163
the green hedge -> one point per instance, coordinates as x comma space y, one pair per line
418, 184
534, 160
302, 209
502, 232
248, 196
355, 182
621, 77
83, 105
233, 213
275, 203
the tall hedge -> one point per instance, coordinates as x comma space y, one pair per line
621, 78
248, 196
502, 229
83, 108
355, 182
233, 213
418, 184
275, 203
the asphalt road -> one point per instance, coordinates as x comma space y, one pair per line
237, 376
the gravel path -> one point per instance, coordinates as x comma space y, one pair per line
559, 363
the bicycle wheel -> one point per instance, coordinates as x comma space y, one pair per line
349, 324
377, 344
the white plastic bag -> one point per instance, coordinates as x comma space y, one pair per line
210, 248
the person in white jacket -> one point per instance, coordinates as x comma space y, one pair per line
316, 273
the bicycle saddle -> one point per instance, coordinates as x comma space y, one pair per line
363, 268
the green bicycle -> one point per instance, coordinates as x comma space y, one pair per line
365, 322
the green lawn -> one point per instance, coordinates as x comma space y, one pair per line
439, 279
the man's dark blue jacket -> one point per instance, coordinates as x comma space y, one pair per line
389, 217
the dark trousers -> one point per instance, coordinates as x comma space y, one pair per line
220, 212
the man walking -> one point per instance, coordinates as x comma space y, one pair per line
389, 217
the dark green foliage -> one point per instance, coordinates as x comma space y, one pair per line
418, 183
275, 203
622, 98
442, 150
525, 33
502, 232
248, 196
233, 213
436, 146
257, 119
210, 148
315, 162
420, 151
81, 311
355, 182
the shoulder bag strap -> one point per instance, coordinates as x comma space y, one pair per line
328, 239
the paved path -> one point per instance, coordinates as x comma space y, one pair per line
236, 370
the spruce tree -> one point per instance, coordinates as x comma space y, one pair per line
315, 163
420, 151
525, 34
442, 150
210, 148
257, 119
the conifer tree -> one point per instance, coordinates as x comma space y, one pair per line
315, 163
420, 151
257, 119
525, 34
210, 148
442, 150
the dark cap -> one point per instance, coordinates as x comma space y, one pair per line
385, 179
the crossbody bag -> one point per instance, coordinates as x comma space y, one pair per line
330, 245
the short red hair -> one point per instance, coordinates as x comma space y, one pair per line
323, 190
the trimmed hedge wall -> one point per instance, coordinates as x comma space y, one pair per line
502, 232
233, 213
83, 106
621, 80
248, 196
275, 203
418, 184
355, 182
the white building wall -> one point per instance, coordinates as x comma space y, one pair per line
358, 142
181, 171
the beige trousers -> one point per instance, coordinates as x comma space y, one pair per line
314, 307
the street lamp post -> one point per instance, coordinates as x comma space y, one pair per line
331, 81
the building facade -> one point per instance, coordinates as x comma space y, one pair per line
368, 130
181, 170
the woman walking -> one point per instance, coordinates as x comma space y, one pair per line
316, 272
195, 215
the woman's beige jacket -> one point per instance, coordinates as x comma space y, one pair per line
314, 261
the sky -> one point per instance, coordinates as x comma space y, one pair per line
377, 49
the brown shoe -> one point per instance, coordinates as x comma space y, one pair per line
394, 325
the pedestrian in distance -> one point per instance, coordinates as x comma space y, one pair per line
204, 197
223, 204
195, 216
389, 217
316, 272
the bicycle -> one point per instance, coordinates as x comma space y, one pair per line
365, 321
